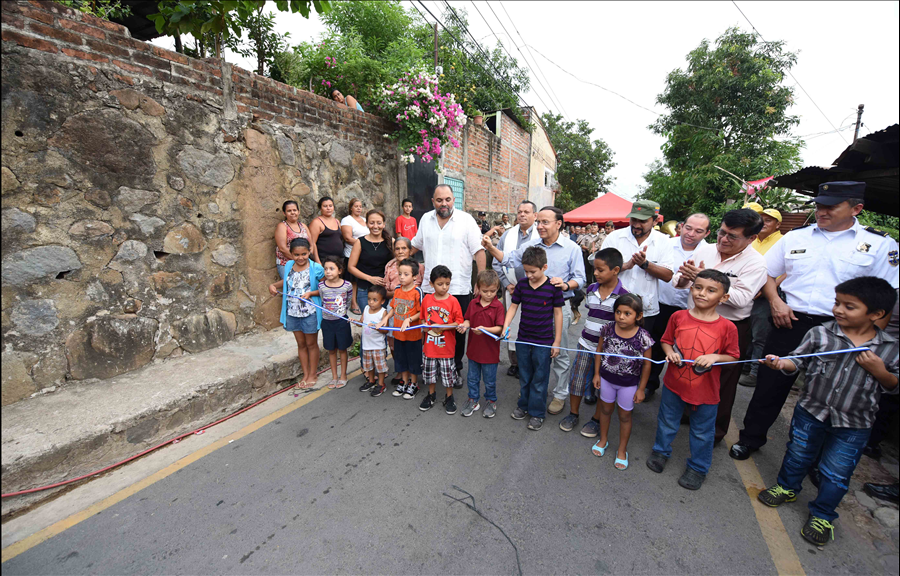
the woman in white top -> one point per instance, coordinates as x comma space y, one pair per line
353, 226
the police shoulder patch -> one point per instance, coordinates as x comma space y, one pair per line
893, 258
875, 231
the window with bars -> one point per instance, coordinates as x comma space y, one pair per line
458, 187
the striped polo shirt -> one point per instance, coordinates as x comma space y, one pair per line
600, 312
537, 304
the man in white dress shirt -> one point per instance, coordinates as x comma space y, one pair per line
814, 260
648, 257
452, 238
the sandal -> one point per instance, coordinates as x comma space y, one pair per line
332, 385
598, 450
356, 310
623, 462
340, 384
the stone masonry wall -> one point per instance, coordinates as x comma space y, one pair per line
495, 170
140, 193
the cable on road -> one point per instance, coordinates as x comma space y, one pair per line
175, 440
473, 508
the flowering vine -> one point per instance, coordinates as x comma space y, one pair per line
429, 121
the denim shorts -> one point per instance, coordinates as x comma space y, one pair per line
307, 325
336, 335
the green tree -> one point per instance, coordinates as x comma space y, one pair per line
263, 42
582, 164
728, 108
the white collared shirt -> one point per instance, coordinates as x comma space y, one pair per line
454, 246
637, 280
815, 263
747, 273
668, 293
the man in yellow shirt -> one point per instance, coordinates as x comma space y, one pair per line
760, 316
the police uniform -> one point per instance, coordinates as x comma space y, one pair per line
814, 261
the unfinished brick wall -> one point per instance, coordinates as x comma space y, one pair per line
494, 170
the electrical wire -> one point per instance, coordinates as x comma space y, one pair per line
533, 59
792, 75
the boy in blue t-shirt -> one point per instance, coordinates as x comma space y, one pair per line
541, 323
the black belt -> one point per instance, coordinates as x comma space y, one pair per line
814, 317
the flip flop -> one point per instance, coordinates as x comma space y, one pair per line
356, 311
598, 450
340, 384
620, 461
332, 385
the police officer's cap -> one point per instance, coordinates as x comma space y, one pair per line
831, 193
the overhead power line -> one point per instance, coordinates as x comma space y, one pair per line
792, 75
533, 59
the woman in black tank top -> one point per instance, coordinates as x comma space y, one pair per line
370, 255
325, 232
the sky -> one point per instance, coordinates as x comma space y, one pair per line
848, 55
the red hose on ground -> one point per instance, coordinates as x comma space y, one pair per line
152, 448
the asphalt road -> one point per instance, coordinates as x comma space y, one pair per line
354, 484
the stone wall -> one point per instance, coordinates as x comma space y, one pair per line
141, 189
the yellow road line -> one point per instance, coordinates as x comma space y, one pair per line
30, 542
780, 546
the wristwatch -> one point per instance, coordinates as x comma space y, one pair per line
645, 265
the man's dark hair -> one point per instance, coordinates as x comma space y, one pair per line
440, 271
746, 219
875, 293
405, 200
534, 256
855, 201
533, 205
716, 276
413, 265
611, 257
557, 211
375, 289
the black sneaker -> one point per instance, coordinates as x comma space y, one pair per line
399, 389
519, 414
741, 451
397, 381
776, 496
377, 390
691, 479
450, 404
535, 423
366, 386
817, 530
427, 402
410, 391
569, 422
590, 400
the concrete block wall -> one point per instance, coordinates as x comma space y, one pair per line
141, 190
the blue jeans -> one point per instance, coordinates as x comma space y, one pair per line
703, 429
476, 371
534, 378
362, 298
841, 450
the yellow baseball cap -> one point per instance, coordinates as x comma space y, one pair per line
755, 206
773, 213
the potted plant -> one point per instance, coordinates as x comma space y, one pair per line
478, 117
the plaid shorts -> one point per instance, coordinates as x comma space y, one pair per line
445, 366
582, 372
375, 360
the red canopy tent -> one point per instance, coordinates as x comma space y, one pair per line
602, 210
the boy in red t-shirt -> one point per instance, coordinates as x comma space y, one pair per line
406, 225
484, 352
440, 342
703, 336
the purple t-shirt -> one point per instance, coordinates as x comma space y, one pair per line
623, 371
335, 300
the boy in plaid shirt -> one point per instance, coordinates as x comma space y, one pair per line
836, 409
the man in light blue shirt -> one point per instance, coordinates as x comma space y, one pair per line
565, 268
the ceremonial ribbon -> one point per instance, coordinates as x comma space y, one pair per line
505, 338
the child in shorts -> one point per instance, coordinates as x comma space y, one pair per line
374, 341
336, 294
407, 305
621, 380
301, 278
601, 297
439, 348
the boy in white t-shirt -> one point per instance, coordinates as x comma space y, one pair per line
374, 341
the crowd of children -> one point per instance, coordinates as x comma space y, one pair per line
613, 359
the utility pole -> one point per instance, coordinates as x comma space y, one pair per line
435, 46
859, 112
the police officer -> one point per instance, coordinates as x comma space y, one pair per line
814, 259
